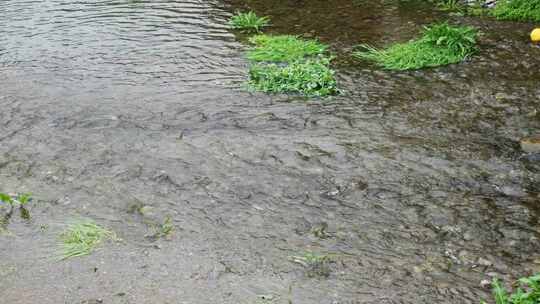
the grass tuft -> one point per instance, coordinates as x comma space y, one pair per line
311, 78
81, 238
440, 44
248, 22
283, 48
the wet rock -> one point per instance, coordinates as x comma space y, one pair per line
513, 191
493, 274
485, 283
484, 262
467, 236
531, 144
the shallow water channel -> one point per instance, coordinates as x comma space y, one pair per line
129, 112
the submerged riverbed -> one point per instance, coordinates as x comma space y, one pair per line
131, 112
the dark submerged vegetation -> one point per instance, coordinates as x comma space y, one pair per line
440, 44
316, 265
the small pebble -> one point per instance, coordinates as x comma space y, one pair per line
485, 283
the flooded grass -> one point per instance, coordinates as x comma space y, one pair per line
310, 78
307, 70
315, 264
283, 48
440, 44
162, 230
528, 292
82, 237
249, 22
517, 10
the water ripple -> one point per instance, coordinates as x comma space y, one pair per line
120, 41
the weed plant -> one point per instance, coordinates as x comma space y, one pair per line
283, 48
528, 292
249, 22
517, 10
21, 199
313, 77
440, 44
163, 230
81, 238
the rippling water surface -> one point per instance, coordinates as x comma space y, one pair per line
130, 112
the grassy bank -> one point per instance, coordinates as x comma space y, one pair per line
527, 292
517, 10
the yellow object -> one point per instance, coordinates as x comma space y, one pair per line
535, 35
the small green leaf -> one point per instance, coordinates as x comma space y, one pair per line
6, 198
24, 198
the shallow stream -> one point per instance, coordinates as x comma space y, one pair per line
129, 112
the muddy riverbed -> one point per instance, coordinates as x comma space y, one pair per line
129, 112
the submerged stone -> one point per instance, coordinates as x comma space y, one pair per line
531, 144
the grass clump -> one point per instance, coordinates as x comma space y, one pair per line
517, 10
528, 292
440, 44
81, 238
283, 48
312, 77
289, 64
248, 22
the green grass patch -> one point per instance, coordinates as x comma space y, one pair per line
312, 77
289, 64
517, 10
528, 292
440, 44
249, 22
82, 237
283, 48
